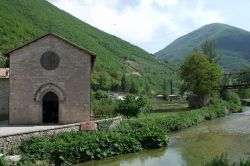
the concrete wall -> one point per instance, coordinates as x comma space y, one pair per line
4, 98
27, 75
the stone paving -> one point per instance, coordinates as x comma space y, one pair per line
6, 129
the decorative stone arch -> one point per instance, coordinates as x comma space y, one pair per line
39, 96
50, 87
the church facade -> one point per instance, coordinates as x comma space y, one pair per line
49, 82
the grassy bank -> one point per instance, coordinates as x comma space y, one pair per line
179, 120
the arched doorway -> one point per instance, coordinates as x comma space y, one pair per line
50, 107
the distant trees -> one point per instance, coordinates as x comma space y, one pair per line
199, 75
125, 83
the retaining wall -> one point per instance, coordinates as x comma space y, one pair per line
12, 140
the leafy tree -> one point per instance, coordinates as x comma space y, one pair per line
99, 94
199, 75
208, 48
2, 61
101, 80
132, 106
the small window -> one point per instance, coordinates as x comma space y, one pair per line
49, 60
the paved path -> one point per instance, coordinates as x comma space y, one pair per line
6, 129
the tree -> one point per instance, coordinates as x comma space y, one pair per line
125, 84
2, 61
132, 106
199, 76
208, 49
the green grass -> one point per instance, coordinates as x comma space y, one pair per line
224, 161
169, 106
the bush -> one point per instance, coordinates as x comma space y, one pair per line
233, 100
99, 95
104, 107
149, 136
132, 106
3, 162
76, 147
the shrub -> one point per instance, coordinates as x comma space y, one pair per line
76, 147
104, 107
99, 94
233, 100
149, 136
132, 106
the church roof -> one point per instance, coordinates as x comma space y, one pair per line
4, 72
93, 55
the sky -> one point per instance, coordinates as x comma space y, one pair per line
153, 24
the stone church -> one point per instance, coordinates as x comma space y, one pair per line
48, 82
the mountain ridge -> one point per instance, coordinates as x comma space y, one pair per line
231, 43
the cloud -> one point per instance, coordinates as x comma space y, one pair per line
140, 21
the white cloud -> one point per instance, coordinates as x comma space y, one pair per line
140, 22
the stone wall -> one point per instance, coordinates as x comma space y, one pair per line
4, 97
29, 80
9, 141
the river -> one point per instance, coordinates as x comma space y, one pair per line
192, 146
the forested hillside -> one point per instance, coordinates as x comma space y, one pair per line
23, 20
232, 45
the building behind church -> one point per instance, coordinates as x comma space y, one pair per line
48, 82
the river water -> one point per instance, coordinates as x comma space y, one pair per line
192, 146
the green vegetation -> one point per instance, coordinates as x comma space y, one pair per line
22, 20
132, 106
179, 120
3, 162
105, 107
233, 100
199, 76
231, 43
208, 49
224, 161
76, 147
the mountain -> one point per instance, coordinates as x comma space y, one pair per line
23, 20
231, 43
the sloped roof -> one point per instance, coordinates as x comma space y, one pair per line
93, 55
4, 72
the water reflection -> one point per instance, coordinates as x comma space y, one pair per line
192, 146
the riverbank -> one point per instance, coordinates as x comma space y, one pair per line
133, 135
175, 121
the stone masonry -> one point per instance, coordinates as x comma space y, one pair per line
4, 92
67, 75
9, 141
